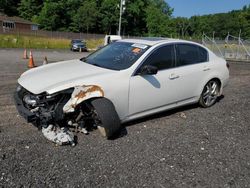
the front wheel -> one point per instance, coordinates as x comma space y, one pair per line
107, 119
210, 94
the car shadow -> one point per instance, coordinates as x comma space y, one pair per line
162, 114
152, 80
123, 132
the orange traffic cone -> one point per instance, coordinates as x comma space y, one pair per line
31, 61
25, 55
45, 61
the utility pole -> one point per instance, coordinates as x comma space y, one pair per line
122, 8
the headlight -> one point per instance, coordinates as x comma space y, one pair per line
30, 100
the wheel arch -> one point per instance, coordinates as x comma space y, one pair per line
208, 80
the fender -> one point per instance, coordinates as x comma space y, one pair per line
80, 94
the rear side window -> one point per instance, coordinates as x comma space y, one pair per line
188, 54
162, 58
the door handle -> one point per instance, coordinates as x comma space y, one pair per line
206, 69
173, 76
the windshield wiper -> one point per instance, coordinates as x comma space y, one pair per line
83, 59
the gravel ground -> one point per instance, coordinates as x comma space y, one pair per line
187, 147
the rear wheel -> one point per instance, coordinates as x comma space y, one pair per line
106, 117
210, 93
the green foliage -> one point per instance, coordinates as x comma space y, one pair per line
86, 16
157, 22
9, 7
109, 15
49, 17
221, 24
29, 8
141, 18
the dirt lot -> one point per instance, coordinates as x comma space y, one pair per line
188, 147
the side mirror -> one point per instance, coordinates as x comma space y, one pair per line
148, 70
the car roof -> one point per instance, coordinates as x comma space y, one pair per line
151, 41
81, 40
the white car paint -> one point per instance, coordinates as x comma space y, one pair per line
133, 96
111, 38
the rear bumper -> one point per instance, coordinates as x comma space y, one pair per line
24, 112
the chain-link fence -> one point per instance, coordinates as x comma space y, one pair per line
232, 48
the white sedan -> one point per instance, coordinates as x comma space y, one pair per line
123, 81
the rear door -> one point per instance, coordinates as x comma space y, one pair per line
191, 65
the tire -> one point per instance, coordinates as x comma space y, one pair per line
109, 120
210, 94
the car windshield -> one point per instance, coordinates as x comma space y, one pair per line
76, 41
117, 55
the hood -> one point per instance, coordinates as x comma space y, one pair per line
61, 75
78, 44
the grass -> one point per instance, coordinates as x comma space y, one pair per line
14, 41
94, 43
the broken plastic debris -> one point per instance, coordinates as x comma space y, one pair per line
59, 136
84, 131
162, 159
183, 115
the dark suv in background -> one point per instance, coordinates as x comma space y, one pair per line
78, 45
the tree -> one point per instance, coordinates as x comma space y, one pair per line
29, 8
86, 16
134, 17
158, 18
109, 16
183, 25
9, 7
49, 17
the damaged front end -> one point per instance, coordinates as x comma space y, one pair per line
57, 113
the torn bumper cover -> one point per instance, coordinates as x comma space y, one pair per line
80, 94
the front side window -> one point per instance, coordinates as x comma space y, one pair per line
188, 54
162, 58
117, 55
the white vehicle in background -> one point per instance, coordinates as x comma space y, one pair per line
111, 38
122, 81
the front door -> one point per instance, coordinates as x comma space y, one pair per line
152, 91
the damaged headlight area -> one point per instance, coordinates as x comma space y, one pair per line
41, 109
30, 100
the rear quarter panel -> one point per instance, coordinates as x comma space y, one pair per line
218, 69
